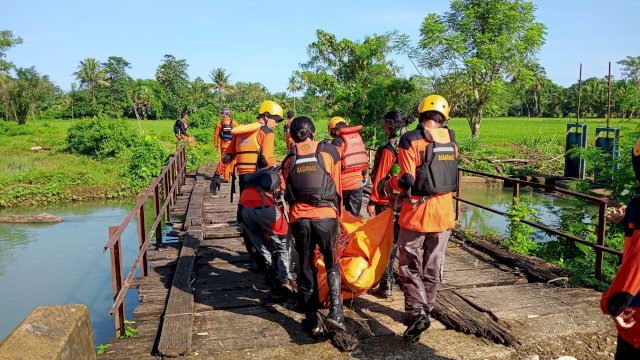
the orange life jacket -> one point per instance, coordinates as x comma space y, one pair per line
355, 156
247, 147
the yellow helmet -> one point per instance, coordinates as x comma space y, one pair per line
335, 121
434, 103
272, 108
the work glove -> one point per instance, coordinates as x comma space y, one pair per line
215, 184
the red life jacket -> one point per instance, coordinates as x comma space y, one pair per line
355, 156
308, 181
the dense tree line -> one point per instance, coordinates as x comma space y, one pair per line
480, 55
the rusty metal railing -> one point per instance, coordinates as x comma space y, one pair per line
599, 247
170, 179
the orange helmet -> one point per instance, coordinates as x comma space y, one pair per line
335, 121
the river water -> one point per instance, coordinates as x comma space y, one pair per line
63, 263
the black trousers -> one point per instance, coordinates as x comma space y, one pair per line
387, 277
309, 233
352, 200
626, 351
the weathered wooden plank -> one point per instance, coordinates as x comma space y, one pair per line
538, 269
175, 338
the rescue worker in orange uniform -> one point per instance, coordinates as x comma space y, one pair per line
287, 136
313, 187
222, 137
354, 159
622, 299
386, 157
180, 128
266, 226
252, 150
428, 176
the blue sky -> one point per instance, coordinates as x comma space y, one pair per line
266, 40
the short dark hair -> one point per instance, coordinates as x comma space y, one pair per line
396, 120
301, 129
183, 113
432, 115
290, 114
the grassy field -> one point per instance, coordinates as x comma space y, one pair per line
35, 178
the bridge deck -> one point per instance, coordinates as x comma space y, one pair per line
232, 316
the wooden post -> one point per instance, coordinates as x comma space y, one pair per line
516, 190
156, 210
142, 234
458, 192
165, 189
602, 228
171, 177
116, 280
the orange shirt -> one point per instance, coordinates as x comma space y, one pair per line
266, 139
350, 180
217, 136
386, 159
433, 215
626, 283
331, 160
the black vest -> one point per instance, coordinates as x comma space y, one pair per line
438, 172
308, 181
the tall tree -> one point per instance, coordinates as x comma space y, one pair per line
172, 75
481, 43
351, 74
26, 94
630, 68
7, 41
220, 79
245, 96
90, 74
198, 94
294, 86
116, 97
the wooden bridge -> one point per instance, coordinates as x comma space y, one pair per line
198, 300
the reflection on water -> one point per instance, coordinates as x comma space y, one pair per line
63, 263
550, 211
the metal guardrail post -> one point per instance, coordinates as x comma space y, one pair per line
142, 233
117, 279
602, 228
156, 209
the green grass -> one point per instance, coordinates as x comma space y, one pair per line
30, 178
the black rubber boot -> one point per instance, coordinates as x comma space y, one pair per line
335, 318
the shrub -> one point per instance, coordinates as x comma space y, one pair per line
204, 118
100, 137
147, 158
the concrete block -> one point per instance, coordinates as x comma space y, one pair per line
51, 332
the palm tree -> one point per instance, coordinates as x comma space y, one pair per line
295, 85
220, 80
90, 74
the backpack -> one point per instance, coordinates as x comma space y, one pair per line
225, 130
267, 180
176, 128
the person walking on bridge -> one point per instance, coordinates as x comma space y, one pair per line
252, 146
354, 159
386, 158
622, 299
222, 137
313, 187
428, 174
